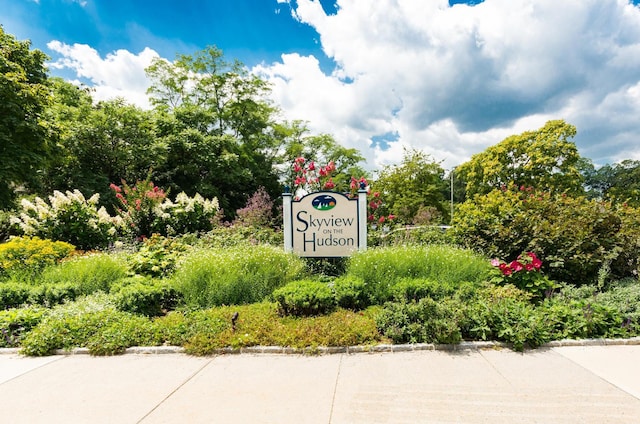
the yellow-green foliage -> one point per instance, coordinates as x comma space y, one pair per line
32, 253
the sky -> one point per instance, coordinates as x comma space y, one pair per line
448, 77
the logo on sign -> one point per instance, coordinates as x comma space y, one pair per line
324, 203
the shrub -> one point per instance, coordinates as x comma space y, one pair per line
258, 212
235, 276
89, 273
13, 294
146, 209
186, 215
414, 289
31, 254
15, 323
70, 218
91, 322
233, 236
420, 235
146, 298
575, 236
157, 257
524, 273
304, 298
351, 293
424, 321
381, 268
49, 295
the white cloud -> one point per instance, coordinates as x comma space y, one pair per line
454, 80
119, 74
448, 80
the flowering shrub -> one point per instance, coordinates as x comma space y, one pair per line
138, 204
146, 209
524, 273
310, 177
576, 236
68, 217
31, 254
185, 215
258, 212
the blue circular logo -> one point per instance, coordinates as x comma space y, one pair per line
324, 202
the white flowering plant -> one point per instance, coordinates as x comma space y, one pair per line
68, 217
186, 215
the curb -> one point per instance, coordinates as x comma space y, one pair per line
331, 350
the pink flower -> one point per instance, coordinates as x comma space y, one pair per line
376, 194
300, 160
115, 188
381, 220
323, 171
495, 262
331, 166
312, 166
329, 184
516, 266
535, 262
391, 217
354, 183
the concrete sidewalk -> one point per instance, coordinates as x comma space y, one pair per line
594, 384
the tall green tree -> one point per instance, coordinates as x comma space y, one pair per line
546, 159
619, 182
24, 135
414, 190
99, 144
215, 120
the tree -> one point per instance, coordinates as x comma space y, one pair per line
545, 159
619, 182
320, 149
413, 190
24, 137
216, 123
99, 144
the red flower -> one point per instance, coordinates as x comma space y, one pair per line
331, 166
381, 220
535, 262
300, 160
323, 171
528, 267
329, 184
115, 188
376, 194
391, 217
312, 166
371, 218
516, 266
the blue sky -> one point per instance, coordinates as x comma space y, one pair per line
446, 77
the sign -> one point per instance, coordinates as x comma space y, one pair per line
324, 224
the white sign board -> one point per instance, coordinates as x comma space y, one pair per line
325, 224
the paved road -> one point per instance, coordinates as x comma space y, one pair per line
594, 384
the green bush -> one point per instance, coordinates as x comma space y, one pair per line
48, 295
29, 255
15, 323
304, 298
239, 235
403, 236
13, 294
157, 257
351, 293
92, 322
575, 237
146, 298
424, 321
235, 275
414, 289
69, 217
88, 273
382, 268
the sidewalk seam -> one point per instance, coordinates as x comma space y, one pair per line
335, 388
145, 416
